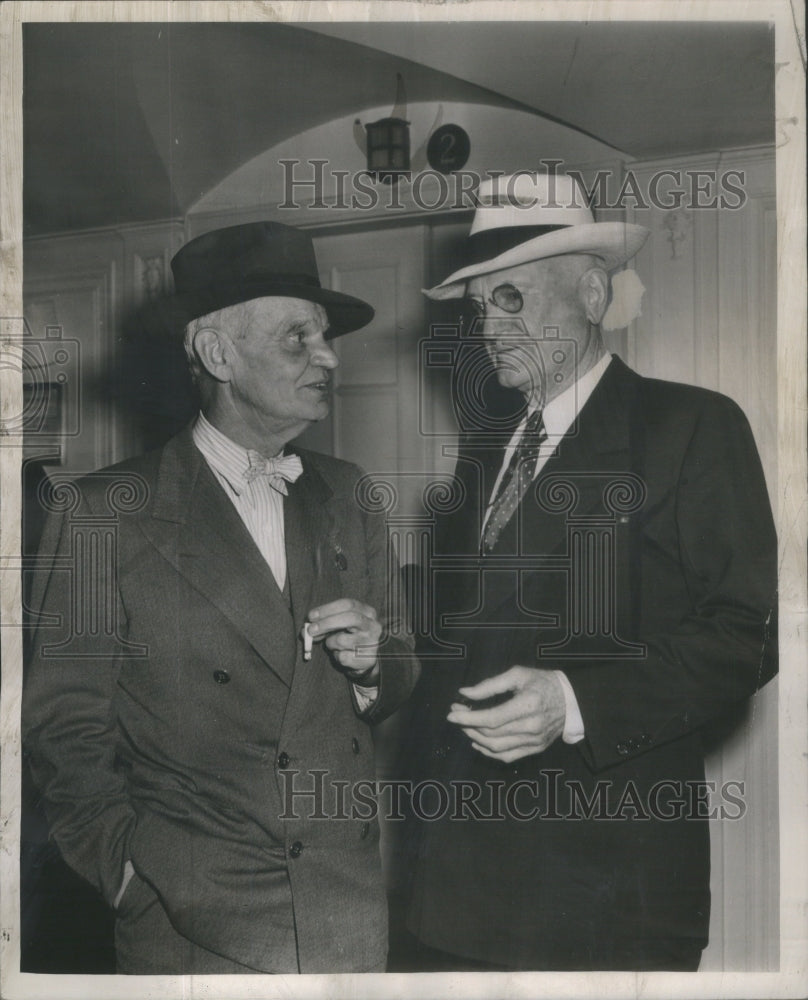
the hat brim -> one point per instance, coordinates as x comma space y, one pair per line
345, 312
613, 242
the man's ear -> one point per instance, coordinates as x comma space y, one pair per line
213, 353
593, 290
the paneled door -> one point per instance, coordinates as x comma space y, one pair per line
374, 419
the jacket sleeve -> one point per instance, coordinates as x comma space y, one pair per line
68, 711
399, 668
724, 647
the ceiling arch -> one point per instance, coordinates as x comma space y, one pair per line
137, 122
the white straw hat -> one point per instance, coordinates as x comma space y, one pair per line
529, 216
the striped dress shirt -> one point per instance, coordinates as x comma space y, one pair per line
259, 505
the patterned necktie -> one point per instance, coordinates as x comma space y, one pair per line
279, 471
516, 479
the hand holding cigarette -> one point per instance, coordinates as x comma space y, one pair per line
351, 631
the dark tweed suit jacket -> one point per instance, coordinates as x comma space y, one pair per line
692, 552
168, 730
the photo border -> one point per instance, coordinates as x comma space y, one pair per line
792, 979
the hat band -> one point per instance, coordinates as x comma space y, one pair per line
490, 243
227, 283
282, 278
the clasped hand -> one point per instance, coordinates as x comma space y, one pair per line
350, 630
527, 723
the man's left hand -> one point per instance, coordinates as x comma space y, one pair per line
527, 723
350, 630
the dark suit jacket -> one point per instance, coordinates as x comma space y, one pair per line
681, 567
162, 711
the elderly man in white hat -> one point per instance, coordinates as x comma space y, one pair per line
617, 598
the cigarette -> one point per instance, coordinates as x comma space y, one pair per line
308, 642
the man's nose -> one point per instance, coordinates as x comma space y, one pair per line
500, 330
323, 356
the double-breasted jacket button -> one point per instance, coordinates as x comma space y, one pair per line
623, 749
283, 759
296, 849
364, 831
355, 745
221, 676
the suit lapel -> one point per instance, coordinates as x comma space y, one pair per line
308, 524
314, 579
198, 530
476, 470
593, 452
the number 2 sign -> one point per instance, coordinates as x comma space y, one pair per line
448, 148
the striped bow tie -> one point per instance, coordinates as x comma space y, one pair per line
279, 471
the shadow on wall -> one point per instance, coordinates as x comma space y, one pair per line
153, 384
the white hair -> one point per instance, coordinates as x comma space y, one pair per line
233, 319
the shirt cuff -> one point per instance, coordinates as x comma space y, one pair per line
365, 696
573, 721
128, 872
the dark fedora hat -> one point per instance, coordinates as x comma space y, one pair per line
227, 266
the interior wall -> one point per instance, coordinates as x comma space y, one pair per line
710, 319
82, 294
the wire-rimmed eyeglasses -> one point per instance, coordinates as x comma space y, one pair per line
506, 297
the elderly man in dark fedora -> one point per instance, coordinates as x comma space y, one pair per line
610, 590
189, 747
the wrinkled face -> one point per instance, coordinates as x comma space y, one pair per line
535, 324
280, 366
